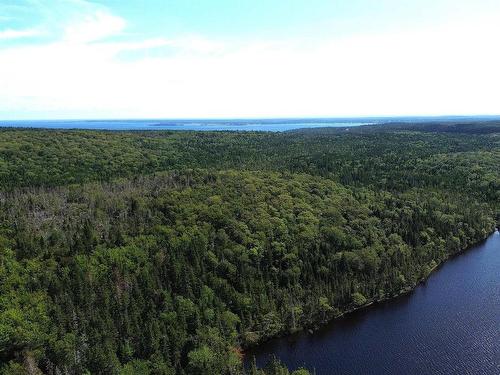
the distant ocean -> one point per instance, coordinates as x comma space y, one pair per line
193, 125
272, 125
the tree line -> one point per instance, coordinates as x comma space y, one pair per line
225, 240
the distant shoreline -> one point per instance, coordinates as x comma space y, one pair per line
270, 125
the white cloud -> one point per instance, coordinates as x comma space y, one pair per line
452, 69
92, 27
16, 34
197, 44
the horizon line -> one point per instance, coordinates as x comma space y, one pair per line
271, 118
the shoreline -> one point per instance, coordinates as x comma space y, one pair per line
403, 292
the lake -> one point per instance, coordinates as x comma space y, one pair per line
448, 325
273, 125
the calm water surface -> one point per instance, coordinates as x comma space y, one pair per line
196, 125
272, 125
449, 325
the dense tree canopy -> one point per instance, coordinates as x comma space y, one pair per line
171, 252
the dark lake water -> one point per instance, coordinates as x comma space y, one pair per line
448, 325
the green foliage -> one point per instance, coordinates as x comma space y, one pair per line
242, 237
275, 367
358, 299
24, 321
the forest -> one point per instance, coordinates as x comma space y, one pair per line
164, 252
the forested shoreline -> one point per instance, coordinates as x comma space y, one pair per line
170, 252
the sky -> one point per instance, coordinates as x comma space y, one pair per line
76, 59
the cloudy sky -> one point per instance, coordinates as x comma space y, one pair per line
248, 58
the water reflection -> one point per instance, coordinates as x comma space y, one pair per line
449, 324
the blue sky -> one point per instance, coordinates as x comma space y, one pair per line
222, 58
